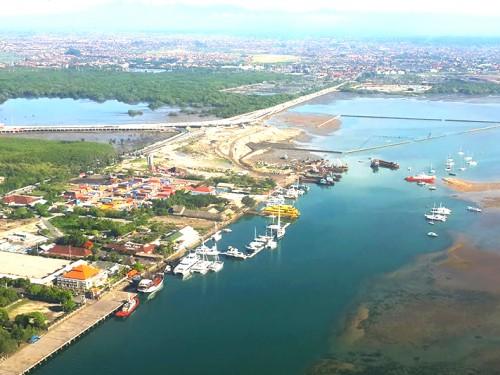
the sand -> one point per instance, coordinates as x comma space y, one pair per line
464, 186
316, 124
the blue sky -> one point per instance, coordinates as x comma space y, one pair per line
258, 17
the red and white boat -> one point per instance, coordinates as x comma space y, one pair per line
422, 177
128, 307
150, 286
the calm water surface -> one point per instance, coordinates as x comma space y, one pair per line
274, 314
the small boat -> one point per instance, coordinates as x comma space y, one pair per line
148, 286
421, 183
474, 209
217, 236
432, 234
460, 152
233, 252
431, 170
227, 230
271, 244
128, 307
468, 158
216, 264
168, 268
431, 222
441, 210
205, 250
452, 174
462, 169
432, 187
472, 163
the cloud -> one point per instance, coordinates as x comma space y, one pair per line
487, 8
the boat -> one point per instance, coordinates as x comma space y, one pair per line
376, 163
216, 264
292, 193
474, 209
468, 158
431, 170
436, 217
128, 307
233, 252
168, 268
271, 244
256, 245
421, 183
148, 286
432, 187
205, 250
217, 236
431, 222
432, 234
277, 230
452, 174
202, 266
227, 230
285, 210
186, 263
441, 210
422, 177
460, 152
472, 163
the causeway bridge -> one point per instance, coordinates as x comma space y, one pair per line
244, 119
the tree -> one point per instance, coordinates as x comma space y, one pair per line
68, 305
248, 201
7, 344
4, 317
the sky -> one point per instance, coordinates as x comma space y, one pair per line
470, 18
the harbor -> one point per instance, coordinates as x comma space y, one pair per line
294, 294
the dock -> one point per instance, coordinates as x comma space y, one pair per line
62, 334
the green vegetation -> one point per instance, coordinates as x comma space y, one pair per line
246, 181
248, 201
459, 86
195, 90
133, 113
27, 161
14, 332
77, 227
186, 199
7, 296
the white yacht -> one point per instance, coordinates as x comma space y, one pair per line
217, 236
472, 163
271, 244
432, 187
205, 250
435, 217
216, 264
432, 234
202, 266
468, 158
441, 210
186, 264
227, 230
234, 253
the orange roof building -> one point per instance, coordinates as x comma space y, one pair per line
82, 278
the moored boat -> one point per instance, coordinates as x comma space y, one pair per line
474, 209
422, 177
128, 307
149, 286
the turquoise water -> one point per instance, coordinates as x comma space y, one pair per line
274, 314
54, 111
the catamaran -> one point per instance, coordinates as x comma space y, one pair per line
435, 217
186, 263
216, 264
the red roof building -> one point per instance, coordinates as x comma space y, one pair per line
21, 200
65, 251
132, 248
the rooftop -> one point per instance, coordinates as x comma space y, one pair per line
15, 265
81, 272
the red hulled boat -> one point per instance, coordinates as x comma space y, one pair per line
422, 177
128, 307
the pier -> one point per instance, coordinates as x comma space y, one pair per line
62, 334
418, 118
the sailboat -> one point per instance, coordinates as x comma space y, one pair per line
216, 264
431, 170
277, 230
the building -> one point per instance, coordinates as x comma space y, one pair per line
82, 278
16, 200
151, 162
132, 248
38, 270
69, 252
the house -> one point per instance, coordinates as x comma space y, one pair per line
69, 252
201, 190
22, 200
82, 278
132, 248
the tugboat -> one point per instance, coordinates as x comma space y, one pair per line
148, 286
128, 307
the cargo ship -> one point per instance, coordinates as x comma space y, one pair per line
128, 307
148, 286
376, 163
422, 177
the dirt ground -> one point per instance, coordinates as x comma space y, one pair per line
50, 310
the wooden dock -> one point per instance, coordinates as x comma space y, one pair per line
62, 334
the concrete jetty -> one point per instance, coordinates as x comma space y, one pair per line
62, 334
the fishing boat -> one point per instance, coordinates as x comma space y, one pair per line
421, 177
432, 234
474, 209
233, 252
186, 263
148, 286
128, 307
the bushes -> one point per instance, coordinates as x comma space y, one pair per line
186, 199
7, 296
